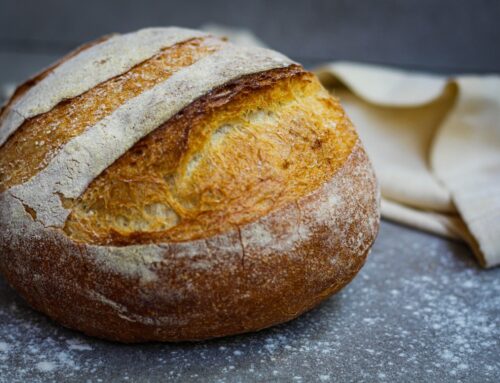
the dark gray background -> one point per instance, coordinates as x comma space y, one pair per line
438, 35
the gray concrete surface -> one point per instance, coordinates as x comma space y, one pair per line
420, 310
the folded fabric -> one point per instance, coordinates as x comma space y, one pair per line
435, 146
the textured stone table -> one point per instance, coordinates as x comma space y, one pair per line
420, 310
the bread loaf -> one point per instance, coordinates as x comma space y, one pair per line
168, 185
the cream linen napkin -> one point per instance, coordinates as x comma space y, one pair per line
434, 142
435, 145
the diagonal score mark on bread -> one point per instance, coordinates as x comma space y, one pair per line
87, 68
40, 137
227, 159
81, 159
27, 85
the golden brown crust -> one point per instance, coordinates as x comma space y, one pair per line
33, 145
230, 157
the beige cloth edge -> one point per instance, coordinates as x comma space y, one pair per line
446, 225
463, 154
470, 165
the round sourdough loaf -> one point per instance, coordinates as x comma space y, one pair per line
168, 185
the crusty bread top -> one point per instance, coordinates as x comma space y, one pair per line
191, 139
89, 68
231, 157
81, 159
40, 137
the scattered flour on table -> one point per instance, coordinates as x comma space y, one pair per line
45, 366
4, 347
432, 317
36, 347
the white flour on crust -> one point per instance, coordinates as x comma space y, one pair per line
89, 68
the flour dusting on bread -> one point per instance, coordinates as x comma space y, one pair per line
89, 68
88, 154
